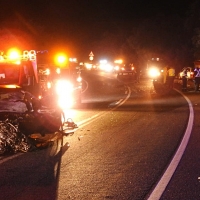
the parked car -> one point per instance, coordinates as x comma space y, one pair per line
190, 73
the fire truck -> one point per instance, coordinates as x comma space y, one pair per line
33, 92
19, 73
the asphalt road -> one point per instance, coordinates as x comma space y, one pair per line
126, 138
185, 183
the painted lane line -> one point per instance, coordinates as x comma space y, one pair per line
85, 87
10, 158
119, 103
123, 100
85, 121
163, 182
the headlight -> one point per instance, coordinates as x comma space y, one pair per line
154, 72
116, 68
63, 86
48, 85
64, 89
108, 68
79, 79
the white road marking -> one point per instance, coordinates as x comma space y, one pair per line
163, 182
85, 87
10, 157
119, 103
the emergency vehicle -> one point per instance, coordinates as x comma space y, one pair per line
34, 92
157, 71
61, 76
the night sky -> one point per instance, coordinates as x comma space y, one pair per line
99, 10
80, 22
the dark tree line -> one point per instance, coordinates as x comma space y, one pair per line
173, 38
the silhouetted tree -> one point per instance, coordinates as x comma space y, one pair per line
192, 26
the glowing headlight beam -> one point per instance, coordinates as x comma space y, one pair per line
79, 79
154, 72
64, 90
63, 86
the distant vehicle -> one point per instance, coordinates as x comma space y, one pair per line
190, 73
126, 71
157, 70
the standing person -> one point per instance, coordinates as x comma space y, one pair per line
165, 74
197, 78
170, 77
184, 80
137, 74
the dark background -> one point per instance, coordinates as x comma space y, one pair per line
133, 30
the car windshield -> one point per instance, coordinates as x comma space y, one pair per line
9, 74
